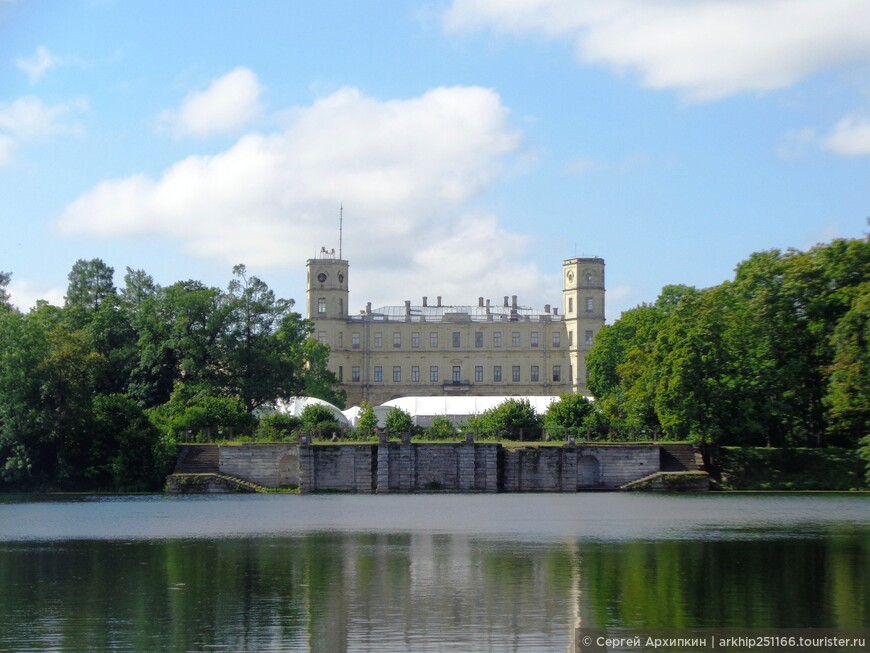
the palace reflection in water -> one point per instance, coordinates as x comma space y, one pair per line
422, 591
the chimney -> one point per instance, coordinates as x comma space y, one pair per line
368, 308
513, 301
407, 310
480, 302
555, 311
439, 302
425, 302
506, 301
546, 308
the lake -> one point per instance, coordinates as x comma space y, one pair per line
502, 572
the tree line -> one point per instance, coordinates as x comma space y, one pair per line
776, 356
94, 393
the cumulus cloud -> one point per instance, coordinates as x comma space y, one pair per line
25, 294
406, 171
36, 65
707, 49
850, 136
29, 118
228, 104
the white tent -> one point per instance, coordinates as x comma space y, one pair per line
295, 405
458, 409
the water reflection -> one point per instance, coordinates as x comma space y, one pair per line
328, 591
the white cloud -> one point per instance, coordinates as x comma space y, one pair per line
707, 49
24, 294
406, 171
29, 118
36, 65
228, 104
850, 136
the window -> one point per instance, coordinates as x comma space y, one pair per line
415, 339
456, 339
589, 337
354, 340
535, 374
321, 305
478, 339
379, 340
340, 339
433, 340
340, 306
478, 373
570, 304
515, 339
496, 373
557, 373
354, 374
457, 374
515, 373
534, 338
397, 339
415, 374
496, 339
557, 339
590, 305
340, 374
321, 337
379, 374
570, 338
397, 374
433, 374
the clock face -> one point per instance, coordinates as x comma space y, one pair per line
570, 276
321, 277
588, 276
340, 278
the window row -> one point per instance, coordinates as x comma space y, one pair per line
498, 340
498, 374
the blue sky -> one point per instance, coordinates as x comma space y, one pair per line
474, 144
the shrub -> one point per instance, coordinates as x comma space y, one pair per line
441, 429
398, 421
277, 427
367, 422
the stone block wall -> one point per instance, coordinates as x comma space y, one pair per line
270, 465
454, 467
572, 468
345, 468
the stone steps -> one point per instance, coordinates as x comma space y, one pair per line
198, 459
678, 458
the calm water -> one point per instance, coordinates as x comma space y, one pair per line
421, 573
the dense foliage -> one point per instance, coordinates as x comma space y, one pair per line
777, 356
94, 394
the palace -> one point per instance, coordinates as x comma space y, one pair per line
438, 349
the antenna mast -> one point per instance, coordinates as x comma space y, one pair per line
340, 227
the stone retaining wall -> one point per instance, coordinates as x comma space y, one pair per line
454, 467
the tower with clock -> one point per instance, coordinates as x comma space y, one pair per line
583, 310
327, 286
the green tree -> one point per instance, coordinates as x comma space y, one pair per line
398, 421
5, 278
442, 428
568, 414
258, 366
367, 421
317, 417
848, 394
513, 419
90, 284
125, 446
320, 381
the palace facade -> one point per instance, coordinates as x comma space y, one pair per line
433, 349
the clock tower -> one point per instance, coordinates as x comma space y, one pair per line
583, 310
326, 292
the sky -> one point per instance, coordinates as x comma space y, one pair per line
468, 146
